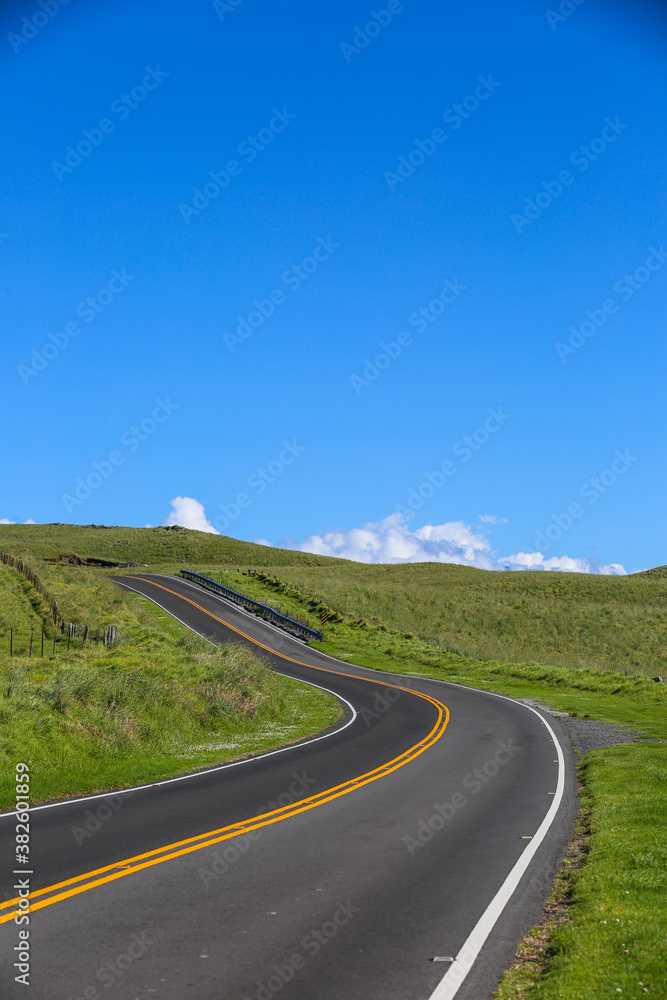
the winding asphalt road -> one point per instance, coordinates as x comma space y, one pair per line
429, 822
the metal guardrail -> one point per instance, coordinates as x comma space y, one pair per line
263, 610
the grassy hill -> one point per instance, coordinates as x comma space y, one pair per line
16, 607
159, 702
113, 545
560, 619
162, 702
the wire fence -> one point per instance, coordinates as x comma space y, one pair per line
39, 642
61, 635
28, 573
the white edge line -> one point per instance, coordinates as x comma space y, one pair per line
453, 979
210, 770
465, 959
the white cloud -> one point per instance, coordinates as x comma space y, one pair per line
566, 564
613, 569
4, 520
391, 541
189, 513
492, 519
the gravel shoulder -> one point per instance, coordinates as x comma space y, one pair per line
587, 734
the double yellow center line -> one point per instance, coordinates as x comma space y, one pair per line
120, 869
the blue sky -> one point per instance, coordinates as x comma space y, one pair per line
281, 260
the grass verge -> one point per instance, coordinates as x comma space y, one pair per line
560, 619
535, 951
159, 703
610, 931
583, 644
605, 932
634, 700
21, 608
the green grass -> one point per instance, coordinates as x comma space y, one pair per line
20, 607
87, 595
587, 645
627, 699
563, 619
158, 703
617, 933
138, 713
612, 942
140, 545
624, 790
